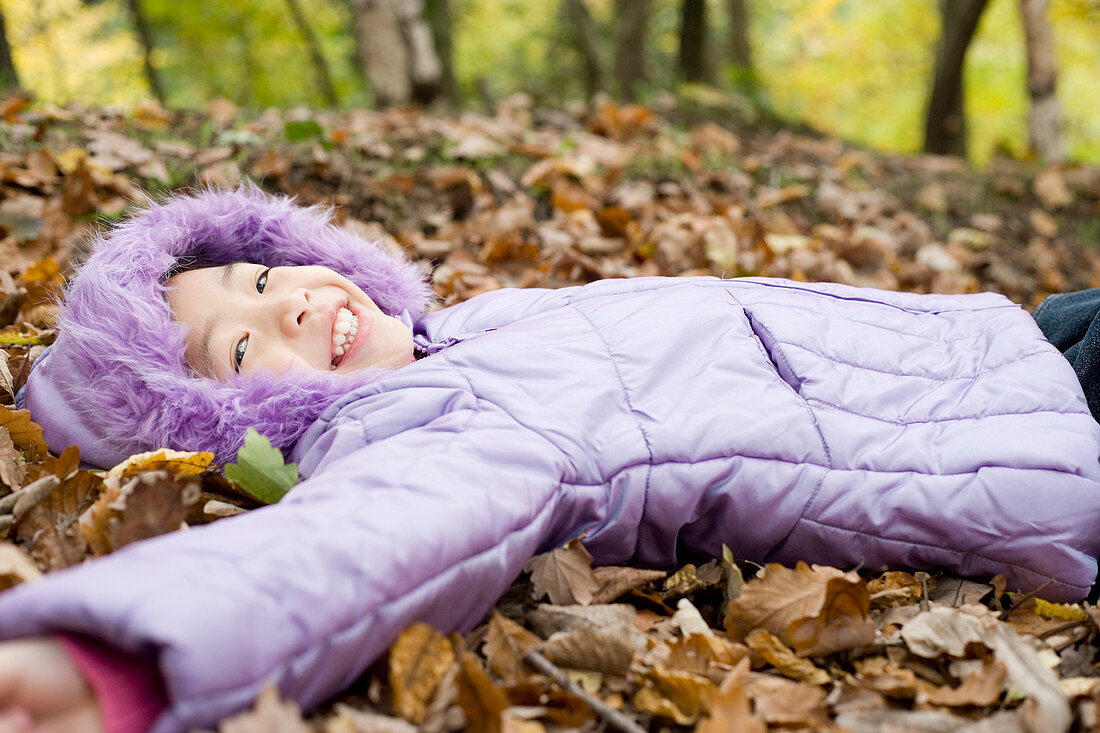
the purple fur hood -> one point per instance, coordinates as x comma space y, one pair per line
115, 381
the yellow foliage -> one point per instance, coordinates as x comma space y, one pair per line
64, 49
1064, 611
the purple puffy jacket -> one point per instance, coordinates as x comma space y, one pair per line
789, 421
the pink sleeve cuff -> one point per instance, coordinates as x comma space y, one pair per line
129, 688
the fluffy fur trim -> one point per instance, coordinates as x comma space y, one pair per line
119, 355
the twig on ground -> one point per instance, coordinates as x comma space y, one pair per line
612, 717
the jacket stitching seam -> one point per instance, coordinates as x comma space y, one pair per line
958, 553
626, 397
813, 419
959, 418
788, 285
980, 373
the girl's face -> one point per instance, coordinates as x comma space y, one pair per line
245, 317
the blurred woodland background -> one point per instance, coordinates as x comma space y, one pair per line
977, 78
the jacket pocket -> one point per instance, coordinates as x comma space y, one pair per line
774, 351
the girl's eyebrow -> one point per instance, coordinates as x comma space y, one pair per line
227, 273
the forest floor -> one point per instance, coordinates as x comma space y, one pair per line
531, 197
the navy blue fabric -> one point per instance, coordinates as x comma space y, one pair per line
1070, 321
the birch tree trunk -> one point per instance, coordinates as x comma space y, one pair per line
1044, 120
398, 50
632, 17
9, 79
945, 126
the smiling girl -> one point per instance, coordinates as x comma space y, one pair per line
311, 318
441, 450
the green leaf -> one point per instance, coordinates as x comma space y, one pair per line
297, 130
260, 471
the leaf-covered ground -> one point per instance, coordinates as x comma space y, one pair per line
529, 197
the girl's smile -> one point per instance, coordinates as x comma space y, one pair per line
245, 317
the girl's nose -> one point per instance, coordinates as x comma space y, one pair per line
296, 310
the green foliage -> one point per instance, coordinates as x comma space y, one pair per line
66, 50
249, 51
298, 130
854, 69
260, 471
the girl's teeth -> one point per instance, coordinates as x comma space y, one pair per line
343, 333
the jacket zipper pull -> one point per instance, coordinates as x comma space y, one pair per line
428, 347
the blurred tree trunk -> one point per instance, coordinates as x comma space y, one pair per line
740, 50
945, 126
442, 22
141, 27
320, 68
588, 44
630, 44
9, 80
694, 39
397, 50
1044, 120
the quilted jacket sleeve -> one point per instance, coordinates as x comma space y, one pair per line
431, 523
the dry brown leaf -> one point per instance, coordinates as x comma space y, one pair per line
350, 720
25, 433
1050, 186
953, 632
479, 697
569, 196
1046, 709
419, 659
888, 678
817, 609
178, 463
947, 631
268, 715
549, 619
729, 709
513, 723
778, 655
780, 701
893, 588
46, 514
915, 721
607, 650
696, 653
615, 581
564, 574
12, 473
138, 508
64, 464
679, 696
7, 383
958, 591
550, 703
505, 645
689, 579
981, 687
709, 138
15, 566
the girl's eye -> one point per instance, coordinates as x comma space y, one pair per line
261, 282
238, 354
